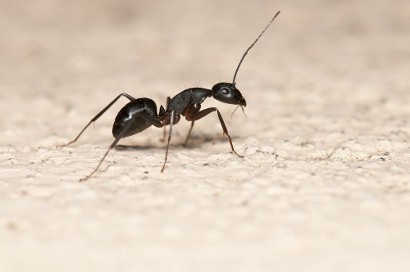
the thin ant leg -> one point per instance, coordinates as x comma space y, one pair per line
190, 111
189, 133
98, 116
207, 111
120, 135
169, 139
99, 164
124, 130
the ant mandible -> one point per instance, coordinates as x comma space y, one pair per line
141, 113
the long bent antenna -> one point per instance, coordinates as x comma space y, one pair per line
246, 52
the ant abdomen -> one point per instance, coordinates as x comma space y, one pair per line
135, 115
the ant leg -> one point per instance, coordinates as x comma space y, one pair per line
189, 133
169, 139
120, 135
99, 164
191, 110
138, 113
98, 116
207, 111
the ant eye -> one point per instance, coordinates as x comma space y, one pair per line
224, 91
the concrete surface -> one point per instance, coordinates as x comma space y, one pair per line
324, 185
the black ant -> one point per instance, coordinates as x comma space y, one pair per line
141, 113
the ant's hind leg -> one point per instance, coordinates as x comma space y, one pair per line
169, 139
99, 164
117, 139
98, 116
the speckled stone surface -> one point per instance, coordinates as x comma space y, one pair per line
323, 186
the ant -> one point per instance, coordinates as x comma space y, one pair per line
141, 113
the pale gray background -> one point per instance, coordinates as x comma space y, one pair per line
324, 185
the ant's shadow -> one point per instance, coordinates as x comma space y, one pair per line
194, 141
135, 147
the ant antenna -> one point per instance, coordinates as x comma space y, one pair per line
242, 111
246, 52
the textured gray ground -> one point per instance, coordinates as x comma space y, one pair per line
324, 185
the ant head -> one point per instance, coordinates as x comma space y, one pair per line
228, 93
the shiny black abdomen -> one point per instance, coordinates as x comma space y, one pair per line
134, 112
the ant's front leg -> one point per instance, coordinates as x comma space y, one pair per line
205, 112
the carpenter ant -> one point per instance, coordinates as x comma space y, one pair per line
141, 113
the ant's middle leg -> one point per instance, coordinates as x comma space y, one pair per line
169, 138
189, 133
205, 112
192, 110
98, 116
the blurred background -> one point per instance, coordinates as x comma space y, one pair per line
144, 43
324, 183
89, 51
